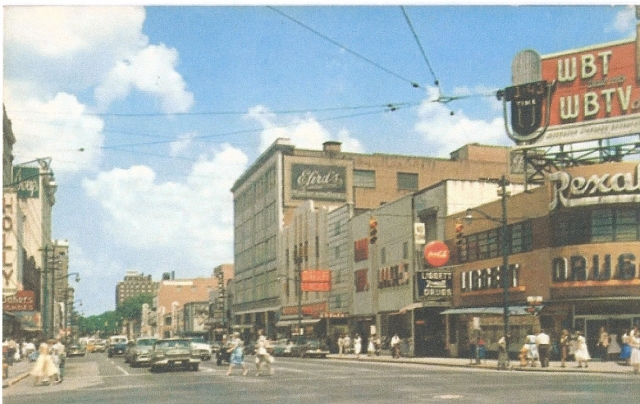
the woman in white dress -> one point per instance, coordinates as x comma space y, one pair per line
582, 353
613, 350
532, 348
44, 368
357, 345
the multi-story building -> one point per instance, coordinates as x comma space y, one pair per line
28, 195
283, 177
171, 296
573, 249
397, 291
134, 284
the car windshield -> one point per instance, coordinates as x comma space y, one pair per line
145, 342
197, 339
173, 344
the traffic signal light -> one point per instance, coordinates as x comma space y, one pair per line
373, 230
459, 233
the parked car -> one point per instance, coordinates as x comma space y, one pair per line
100, 345
76, 349
138, 352
309, 348
282, 347
202, 347
173, 353
117, 345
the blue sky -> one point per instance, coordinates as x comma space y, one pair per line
172, 103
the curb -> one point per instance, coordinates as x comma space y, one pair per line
13, 380
514, 367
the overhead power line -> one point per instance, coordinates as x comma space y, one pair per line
347, 49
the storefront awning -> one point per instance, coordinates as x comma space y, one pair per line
410, 307
260, 310
513, 310
286, 323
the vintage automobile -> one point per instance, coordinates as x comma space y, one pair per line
282, 347
173, 353
76, 349
309, 348
199, 345
138, 352
117, 345
100, 345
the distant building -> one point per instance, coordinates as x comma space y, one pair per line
283, 178
170, 300
134, 284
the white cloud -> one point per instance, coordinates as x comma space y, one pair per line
191, 219
625, 21
151, 71
444, 132
58, 128
183, 143
79, 49
304, 132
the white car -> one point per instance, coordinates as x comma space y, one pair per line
199, 345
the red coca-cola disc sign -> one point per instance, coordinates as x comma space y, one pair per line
436, 253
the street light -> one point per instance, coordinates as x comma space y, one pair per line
504, 194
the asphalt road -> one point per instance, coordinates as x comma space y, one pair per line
98, 379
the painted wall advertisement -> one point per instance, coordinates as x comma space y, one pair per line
315, 181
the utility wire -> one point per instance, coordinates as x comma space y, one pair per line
354, 53
424, 54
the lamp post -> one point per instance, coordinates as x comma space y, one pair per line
502, 192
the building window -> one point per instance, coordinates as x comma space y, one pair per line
405, 250
488, 244
364, 178
605, 225
336, 229
408, 181
383, 255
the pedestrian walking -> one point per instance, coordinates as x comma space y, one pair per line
395, 346
341, 344
59, 358
603, 344
503, 353
262, 355
235, 349
543, 344
565, 340
532, 349
613, 350
582, 352
371, 346
634, 342
625, 350
346, 344
44, 368
357, 345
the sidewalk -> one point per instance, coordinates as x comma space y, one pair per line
554, 366
18, 371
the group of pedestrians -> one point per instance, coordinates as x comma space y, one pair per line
235, 348
346, 345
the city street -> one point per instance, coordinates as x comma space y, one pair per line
96, 378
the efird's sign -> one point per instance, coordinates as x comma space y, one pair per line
315, 181
596, 94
